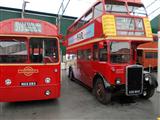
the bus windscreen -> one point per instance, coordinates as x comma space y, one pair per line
13, 51
120, 52
43, 50
114, 7
137, 9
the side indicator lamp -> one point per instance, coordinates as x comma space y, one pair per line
56, 70
113, 69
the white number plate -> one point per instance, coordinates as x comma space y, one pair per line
28, 84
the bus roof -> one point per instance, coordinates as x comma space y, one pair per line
132, 1
27, 27
148, 46
98, 1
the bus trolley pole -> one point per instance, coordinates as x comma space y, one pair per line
23, 8
158, 89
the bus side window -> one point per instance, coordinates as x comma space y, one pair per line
103, 53
155, 55
80, 55
95, 52
151, 55
87, 54
98, 10
88, 16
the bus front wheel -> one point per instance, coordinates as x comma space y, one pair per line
148, 93
101, 94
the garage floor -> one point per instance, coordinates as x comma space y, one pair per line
76, 102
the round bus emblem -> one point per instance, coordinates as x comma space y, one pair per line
28, 71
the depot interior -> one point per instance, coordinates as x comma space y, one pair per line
66, 21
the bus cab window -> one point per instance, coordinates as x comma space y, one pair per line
120, 52
103, 53
50, 51
36, 50
95, 52
43, 50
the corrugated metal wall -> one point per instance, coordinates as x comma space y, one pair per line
155, 23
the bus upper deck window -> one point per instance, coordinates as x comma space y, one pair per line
137, 9
116, 7
98, 10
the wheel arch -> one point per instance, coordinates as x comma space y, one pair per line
98, 75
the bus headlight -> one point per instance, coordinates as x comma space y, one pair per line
147, 78
47, 92
47, 80
8, 82
118, 81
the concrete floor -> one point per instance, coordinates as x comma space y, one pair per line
76, 102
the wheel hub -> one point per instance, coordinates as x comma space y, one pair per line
144, 93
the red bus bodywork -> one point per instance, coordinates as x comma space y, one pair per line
27, 71
148, 54
104, 42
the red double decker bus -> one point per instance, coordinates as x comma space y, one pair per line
29, 60
103, 42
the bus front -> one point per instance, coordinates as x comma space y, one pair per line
125, 25
29, 61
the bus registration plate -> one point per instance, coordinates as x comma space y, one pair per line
28, 83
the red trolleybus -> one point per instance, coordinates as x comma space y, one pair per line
29, 60
104, 41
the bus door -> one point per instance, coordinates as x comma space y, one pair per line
87, 67
140, 56
100, 58
79, 72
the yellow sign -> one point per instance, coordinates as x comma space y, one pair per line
109, 26
28, 71
158, 118
147, 26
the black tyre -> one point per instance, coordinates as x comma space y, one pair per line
101, 94
148, 93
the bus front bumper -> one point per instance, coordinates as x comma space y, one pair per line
15, 94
